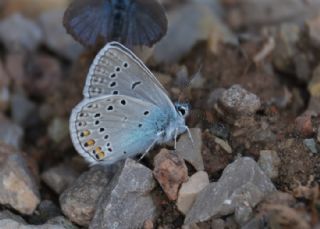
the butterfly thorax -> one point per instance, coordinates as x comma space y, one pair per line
172, 127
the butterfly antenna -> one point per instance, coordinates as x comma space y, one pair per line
188, 84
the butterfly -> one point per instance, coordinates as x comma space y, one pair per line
125, 110
130, 22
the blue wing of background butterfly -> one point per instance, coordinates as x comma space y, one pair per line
135, 22
88, 20
147, 23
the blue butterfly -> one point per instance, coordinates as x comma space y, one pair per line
130, 22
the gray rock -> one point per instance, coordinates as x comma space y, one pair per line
55, 35
57, 223
255, 13
241, 182
269, 162
17, 185
243, 212
192, 22
59, 177
310, 143
191, 152
78, 202
9, 215
46, 210
126, 202
239, 102
58, 129
19, 33
21, 109
11, 133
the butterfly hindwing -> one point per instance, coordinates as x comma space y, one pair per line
109, 128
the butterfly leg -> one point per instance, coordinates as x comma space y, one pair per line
190, 136
147, 150
175, 138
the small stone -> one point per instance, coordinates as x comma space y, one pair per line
17, 185
239, 102
170, 171
214, 97
303, 124
78, 202
269, 162
318, 135
58, 178
21, 109
220, 130
313, 26
11, 133
15, 67
314, 83
55, 35
310, 143
58, 129
217, 224
4, 88
127, 193
190, 190
241, 181
243, 213
46, 211
19, 33
59, 222
189, 151
148, 224
224, 145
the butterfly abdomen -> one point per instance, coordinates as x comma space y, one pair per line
120, 14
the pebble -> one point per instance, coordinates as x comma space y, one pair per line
269, 162
314, 83
189, 151
22, 109
285, 51
11, 133
303, 124
58, 178
55, 36
17, 185
241, 181
170, 171
4, 88
20, 34
220, 130
313, 28
79, 200
310, 143
58, 129
239, 102
126, 201
223, 144
190, 189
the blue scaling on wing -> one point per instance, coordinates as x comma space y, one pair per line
130, 22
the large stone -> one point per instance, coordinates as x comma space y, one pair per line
126, 202
269, 162
78, 202
190, 190
241, 182
191, 151
170, 171
17, 185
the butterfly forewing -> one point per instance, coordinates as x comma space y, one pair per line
117, 71
110, 128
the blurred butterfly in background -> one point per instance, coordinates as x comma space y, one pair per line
125, 110
130, 22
